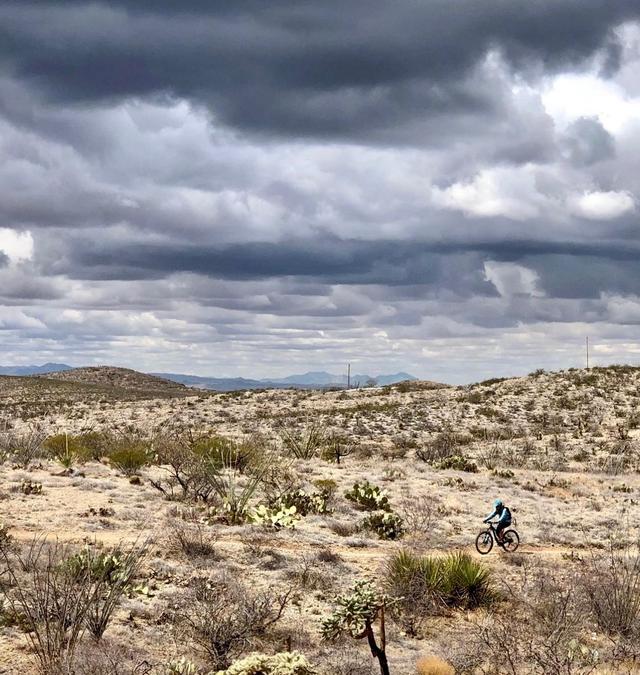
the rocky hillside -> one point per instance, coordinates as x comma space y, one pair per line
121, 378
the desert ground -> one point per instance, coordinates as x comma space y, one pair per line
195, 490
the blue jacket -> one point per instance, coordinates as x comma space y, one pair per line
503, 512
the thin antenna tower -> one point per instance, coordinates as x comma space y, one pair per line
587, 352
348, 376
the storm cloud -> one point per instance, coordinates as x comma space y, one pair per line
247, 188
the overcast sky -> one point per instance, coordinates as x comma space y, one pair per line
243, 187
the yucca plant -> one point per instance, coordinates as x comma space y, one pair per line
454, 580
305, 444
465, 582
234, 490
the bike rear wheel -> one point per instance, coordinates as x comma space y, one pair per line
510, 541
484, 542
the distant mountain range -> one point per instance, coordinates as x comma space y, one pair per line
34, 370
310, 380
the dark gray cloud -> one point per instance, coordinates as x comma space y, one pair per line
298, 68
257, 187
587, 142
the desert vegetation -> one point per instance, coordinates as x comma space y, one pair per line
319, 532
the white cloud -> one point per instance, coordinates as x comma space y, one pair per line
494, 192
569, 97
602, 205
17, 246
511, 279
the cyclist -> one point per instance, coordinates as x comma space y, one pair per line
504, 515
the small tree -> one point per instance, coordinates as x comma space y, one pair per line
338, 446
356, 615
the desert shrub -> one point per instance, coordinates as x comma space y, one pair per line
129, 456
284, 663
184, 474
327, 486
313, 573
223, 618
95, 444
545, 636
355, 616
210, 468
453, 580
306, 443
111, 574
458, 463
442, 446
368, 497
235, 491
192, 538
433, 665
343, 529
6, 538
59, 595
418, 513
22, 448
64, 449
336, 447
385, 524
219, 451
611, 584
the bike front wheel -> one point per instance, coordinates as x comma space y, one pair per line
510, 541
484, 542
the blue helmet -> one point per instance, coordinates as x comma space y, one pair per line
497, 503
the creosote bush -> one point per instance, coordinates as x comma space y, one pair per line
129, 456
223, 618
611, 584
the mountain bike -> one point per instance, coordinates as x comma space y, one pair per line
484, 541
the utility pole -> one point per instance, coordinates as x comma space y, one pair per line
587, 352
348, 376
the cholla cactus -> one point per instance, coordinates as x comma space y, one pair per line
355, 615
30, 487
181, 666
369, 496
285, 663
276, 518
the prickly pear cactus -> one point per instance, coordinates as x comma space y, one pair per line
275, 518
368, 496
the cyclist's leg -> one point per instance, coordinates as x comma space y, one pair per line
501, 527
